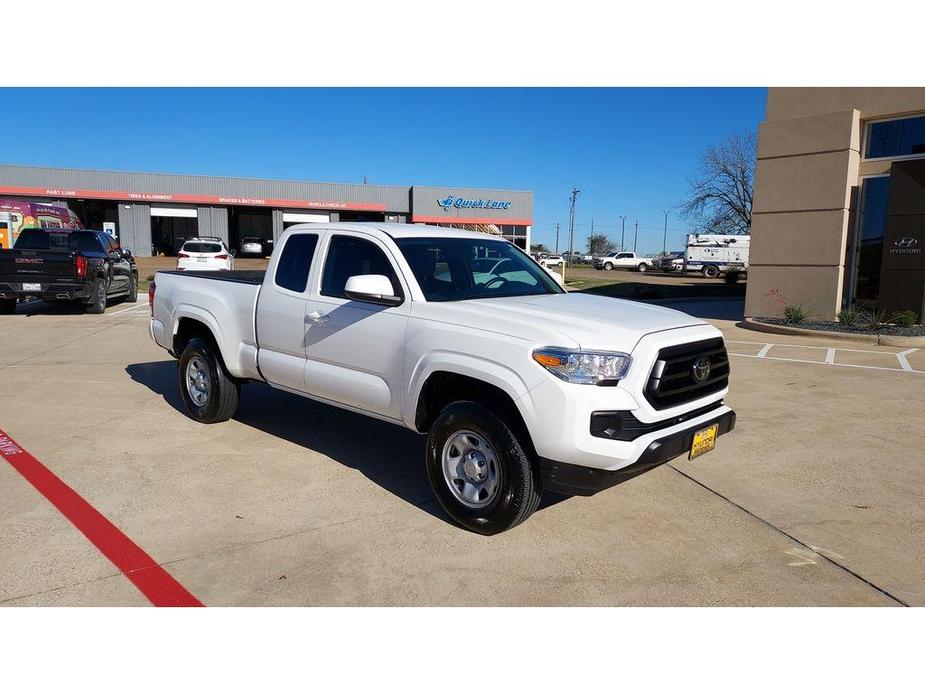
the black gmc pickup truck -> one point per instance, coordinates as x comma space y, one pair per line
66, 265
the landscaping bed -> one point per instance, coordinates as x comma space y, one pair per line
836, 327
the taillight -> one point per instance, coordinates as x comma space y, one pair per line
81, 266
222, 256
183, 255
151, 298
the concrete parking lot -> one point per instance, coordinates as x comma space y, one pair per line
815, 499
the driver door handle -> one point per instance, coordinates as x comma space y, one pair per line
316, 317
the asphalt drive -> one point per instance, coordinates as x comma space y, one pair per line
815, 498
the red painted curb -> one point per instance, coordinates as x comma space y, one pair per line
153, 581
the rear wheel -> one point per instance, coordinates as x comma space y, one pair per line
97, 298
7, 306
642, 267
132, 289
479, 470
711, 272
209, 393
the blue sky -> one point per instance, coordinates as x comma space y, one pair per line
629, 151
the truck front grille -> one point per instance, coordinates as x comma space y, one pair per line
680, 376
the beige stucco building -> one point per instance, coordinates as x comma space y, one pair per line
839, 208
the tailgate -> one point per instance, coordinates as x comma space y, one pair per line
37, 266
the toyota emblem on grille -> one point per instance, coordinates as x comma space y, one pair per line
701, 369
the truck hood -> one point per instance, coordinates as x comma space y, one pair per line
567, 320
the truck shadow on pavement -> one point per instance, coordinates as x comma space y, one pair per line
388, 455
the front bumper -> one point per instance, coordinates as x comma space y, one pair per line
578, 480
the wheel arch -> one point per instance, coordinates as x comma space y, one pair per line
444, 386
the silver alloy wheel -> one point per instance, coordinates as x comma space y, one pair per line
471, 469
197, 381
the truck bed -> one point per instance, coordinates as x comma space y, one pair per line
241, 276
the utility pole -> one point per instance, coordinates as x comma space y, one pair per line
571, 226
636, 237
665, 237
557, 238
622, 231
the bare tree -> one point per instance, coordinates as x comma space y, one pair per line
600, 245
721, 192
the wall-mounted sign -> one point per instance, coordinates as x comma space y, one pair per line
453, 202
110, 228
188, 198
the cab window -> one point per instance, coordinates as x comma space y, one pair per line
349, 256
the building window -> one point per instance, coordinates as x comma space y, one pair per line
896, 138
874, 196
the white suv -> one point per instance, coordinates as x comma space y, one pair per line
205, 253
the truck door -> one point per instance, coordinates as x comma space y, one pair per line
281, 305
354, 349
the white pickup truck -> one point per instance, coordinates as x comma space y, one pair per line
519, 386
626, 260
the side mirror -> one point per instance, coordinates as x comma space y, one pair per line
556, 276
375, 289
126, 253
234, 254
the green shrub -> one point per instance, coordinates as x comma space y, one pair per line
732, 277
850, 316
874, 319
795, 313
905, 318
150, 278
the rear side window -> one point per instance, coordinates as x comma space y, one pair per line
349, 256
40, 240
296, 261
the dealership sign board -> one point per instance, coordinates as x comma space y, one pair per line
451, 201
138, 196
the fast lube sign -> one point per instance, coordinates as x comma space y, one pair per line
454, 202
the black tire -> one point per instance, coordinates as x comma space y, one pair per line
7, 306
642, 267
132, 296
97, 298
608, 266
711, 272
223, 393
518, 493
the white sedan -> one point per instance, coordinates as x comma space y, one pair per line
553, 261
205, 254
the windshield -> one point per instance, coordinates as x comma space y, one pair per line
453, 269
42, 240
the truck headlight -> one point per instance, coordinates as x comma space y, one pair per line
578, 366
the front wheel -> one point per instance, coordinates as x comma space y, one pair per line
711, 272
479, 471
208, 391
608, 266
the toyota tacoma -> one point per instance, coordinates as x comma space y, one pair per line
518, 385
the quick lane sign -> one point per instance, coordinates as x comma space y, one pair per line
453, 202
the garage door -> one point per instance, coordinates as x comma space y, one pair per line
302, 217
174, 212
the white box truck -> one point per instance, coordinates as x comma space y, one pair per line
716, 254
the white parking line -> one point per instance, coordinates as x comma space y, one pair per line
822, 363
903, 362
130, 308
830, 356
